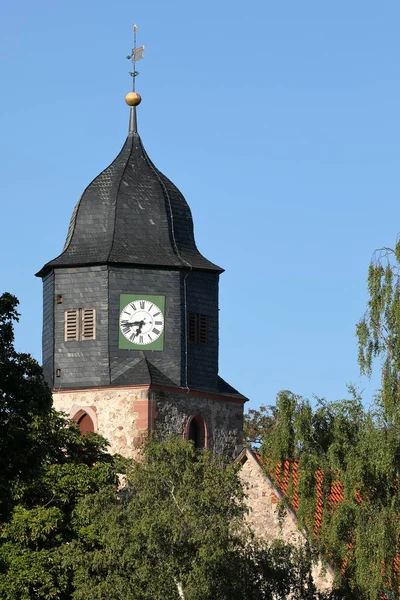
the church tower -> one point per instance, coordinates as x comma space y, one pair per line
130, 313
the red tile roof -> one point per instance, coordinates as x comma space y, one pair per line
286, 477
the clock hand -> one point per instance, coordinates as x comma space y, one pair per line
139, 325
129, 324
139, 329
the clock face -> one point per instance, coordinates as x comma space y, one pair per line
141, 322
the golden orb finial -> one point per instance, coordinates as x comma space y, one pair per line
133, 99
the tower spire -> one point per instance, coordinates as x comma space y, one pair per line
133, 99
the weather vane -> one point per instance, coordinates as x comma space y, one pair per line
137, 54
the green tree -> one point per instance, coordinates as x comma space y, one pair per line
341, 444
178, 533
24, 407
378, 331
46, 466
175, 531
257, 422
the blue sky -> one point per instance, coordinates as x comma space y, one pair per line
279, 121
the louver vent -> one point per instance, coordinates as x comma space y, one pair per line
192, 328
203, 337
198, 329
88, 330
71, 325
80, 324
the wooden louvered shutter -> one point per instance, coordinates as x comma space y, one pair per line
71, 325
192, 328
198, 329
88, 324
202, 330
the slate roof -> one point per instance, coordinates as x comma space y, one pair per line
145, 373
225, 388
131, 214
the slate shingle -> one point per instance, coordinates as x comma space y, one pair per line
144, 373
131, 214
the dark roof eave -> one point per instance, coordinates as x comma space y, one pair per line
48, 267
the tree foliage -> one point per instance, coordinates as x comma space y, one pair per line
178, 532
46, 466
341, 446
378, 331
330, 447
25, 403
257, 422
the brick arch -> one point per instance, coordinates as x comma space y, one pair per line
85, 417
196, 430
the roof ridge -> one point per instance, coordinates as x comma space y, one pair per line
166, 195
130, 137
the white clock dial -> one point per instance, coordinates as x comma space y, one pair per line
141, 322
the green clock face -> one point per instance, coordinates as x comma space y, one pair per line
141, 322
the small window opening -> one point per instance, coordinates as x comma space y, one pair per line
85, 424
198, 329
196, 433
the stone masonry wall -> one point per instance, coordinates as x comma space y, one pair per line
262, 499
121, 415
223, 418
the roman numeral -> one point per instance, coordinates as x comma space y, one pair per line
132, 336
156, 332
141, 303
157, 313
158, 322
140, 339
150, 338
133, 305
150, 307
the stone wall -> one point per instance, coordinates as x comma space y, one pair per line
121, 415
223, 418
263, 498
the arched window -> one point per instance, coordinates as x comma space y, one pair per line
85, 424
85, 417
196, 431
